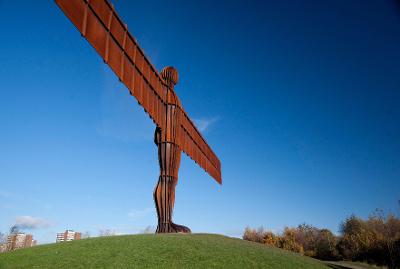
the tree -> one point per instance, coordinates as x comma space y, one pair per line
288, 241
107, 232
355, 238
306, 235
325, 246
3, 238
14, 229
375, 240
86, 235
148, 230
392, 241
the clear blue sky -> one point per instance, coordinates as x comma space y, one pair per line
299, 99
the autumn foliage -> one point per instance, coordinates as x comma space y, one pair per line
375, 240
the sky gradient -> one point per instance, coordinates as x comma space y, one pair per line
299, 99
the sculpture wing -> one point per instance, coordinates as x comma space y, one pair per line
195, 146
104, 30
101, 26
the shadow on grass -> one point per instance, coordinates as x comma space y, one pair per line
335, 266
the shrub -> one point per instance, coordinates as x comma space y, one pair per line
271, 239
375, 240
288, 241
254, 235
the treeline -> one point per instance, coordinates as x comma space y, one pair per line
375, 240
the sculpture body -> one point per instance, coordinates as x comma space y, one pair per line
169, 157
98, 22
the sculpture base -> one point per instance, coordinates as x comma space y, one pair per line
172, 228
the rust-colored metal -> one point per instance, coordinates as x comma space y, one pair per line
99, 23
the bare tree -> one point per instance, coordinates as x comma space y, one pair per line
3, 238
86, 235
14, 229
107, 232
148, 230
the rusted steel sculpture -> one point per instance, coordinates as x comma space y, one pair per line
175, 132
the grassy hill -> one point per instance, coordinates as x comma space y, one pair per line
157, 251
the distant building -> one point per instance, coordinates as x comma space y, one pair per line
20, 240
3, 248
68, 235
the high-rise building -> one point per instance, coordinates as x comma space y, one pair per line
68, 235
20, 240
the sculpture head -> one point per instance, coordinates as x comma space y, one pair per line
170, 76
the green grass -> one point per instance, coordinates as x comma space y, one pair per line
157, 251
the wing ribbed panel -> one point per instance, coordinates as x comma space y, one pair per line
195, 146
100, 25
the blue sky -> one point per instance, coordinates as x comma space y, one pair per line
299, 99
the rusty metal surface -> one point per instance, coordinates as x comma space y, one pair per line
98, 22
